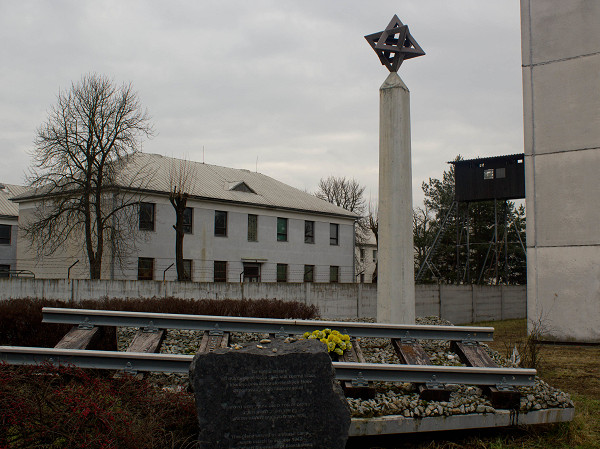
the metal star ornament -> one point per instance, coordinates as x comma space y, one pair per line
394, 44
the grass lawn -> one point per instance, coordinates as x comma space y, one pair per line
574, 369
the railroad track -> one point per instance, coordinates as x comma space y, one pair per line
356, 375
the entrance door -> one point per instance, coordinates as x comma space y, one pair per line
251, 272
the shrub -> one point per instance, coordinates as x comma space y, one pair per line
66, 407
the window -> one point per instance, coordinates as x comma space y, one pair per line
147, 216
221, 223
362, 278
4, 271
309, 273
220, 271
375, 255
145, 269
242, 187
187, 270
501, 173
362, 254
488, 173
5, 234
252, 228
282, 272
333, 233
251, 272
188, 220
334, 273
282, 224
309, 232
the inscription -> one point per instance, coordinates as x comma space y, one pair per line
295, 440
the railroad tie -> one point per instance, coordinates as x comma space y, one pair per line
79, 338
410, 352
356, 388
212, 340
473, 354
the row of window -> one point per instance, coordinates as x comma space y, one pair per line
362, 255
147, 214
5, 234
251, 271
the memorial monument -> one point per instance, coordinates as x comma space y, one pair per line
395, 282
278, 394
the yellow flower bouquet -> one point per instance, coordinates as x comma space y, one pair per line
336, 342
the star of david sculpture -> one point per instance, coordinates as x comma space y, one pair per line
394, 44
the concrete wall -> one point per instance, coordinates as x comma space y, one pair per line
561, 88
458, 304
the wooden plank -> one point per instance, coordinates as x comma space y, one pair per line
476, 355
355, 355
211, 342
78, 338
148, 342
412, 353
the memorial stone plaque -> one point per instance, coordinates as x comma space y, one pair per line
274, 395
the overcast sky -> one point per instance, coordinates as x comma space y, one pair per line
290, 84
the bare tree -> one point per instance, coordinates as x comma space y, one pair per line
78, 160
421, 234
373, 226
345, 193
182, 178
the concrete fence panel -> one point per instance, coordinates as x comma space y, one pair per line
427, 300
457, 303
513, 306
487, 302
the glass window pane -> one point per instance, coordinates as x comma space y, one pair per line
188, 217
252, 228
282, 229
4, 271
220, 223
309, 232
282, 272
145, 269
334, 273
333, 234
220, 271
146, 216
5, 234
488, 173
187, 270
309, 273
501, 172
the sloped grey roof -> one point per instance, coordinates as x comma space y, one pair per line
7, 207
152, 173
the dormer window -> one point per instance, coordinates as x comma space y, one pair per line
241, 187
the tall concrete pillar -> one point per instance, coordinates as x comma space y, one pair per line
395, 268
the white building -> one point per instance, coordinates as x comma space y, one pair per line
240, 225
366, 260
9, 216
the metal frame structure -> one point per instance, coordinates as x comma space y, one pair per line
86, 318
132, 362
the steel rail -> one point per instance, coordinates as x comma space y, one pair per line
88, 317
176, 363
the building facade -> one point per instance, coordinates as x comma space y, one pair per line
561, 86
239, 226
9, 216
366, 260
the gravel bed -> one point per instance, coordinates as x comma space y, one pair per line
391, 398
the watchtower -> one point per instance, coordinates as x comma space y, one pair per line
498, 178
